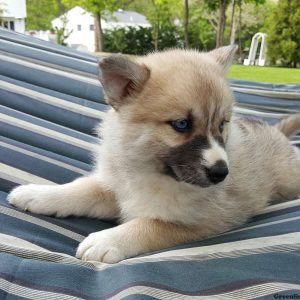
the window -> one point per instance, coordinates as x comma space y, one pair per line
7, 24
92, 27
78, 27
12, 25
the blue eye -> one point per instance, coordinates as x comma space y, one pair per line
181, 125
222, 126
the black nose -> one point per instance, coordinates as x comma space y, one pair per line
217, 172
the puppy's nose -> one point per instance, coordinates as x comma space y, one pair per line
217, 172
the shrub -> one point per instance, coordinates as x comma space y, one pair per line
139, 41
283, 33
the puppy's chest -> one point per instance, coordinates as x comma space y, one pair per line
166, 201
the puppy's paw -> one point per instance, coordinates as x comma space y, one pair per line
104, 246
33, 198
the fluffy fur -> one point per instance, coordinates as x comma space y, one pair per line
159, 181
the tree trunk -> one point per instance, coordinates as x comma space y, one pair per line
233, 34
98, 33
233, 25
240, 29
155, 34
61, 8
221, 24
186, 23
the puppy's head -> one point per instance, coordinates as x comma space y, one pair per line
175, 108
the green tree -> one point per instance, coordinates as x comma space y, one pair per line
98, 8
61, 34
1, 11
161, 14
245, 18
201, 31
215, 12
283, 27
186, 23
40, 13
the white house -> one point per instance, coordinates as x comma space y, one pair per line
14, 14
81, 25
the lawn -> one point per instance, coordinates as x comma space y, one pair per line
265, 74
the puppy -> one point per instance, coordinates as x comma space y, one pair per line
174, 165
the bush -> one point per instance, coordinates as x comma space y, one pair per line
283, 29
129, 40
139, 41
201, 34
170, 36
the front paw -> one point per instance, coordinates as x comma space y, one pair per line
104, 246
33, 198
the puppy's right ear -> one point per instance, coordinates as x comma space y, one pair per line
121, 78
224, 55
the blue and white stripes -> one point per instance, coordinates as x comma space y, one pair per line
50, 101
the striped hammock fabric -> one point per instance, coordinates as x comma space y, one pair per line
50, 101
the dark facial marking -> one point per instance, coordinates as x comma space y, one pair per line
187, 152
183, 163
220, 140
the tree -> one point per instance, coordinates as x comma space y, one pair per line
283, 27
201, 30
40, 13
1, 11
232, 24
255, 14
98, 8
186, 23
162, 15
221, 23
61, 34
215, 12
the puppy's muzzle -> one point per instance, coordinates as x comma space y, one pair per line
198, 162
218, 172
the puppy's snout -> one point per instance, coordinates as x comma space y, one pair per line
217, 172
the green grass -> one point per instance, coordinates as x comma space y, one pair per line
265, 74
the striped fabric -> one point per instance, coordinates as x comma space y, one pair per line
50, 100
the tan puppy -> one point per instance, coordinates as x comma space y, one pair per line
174, 164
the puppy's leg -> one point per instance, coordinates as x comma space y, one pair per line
82, 197
136, 237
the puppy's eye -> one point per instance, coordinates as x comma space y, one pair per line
222, 126
182, 125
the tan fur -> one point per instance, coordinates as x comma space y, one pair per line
130, 180
289, 125
78, 198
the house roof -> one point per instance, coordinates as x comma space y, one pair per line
125, 16
119, 16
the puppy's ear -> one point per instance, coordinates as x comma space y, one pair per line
121, 77
224, 55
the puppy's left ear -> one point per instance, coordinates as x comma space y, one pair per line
121, 78
224, 55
